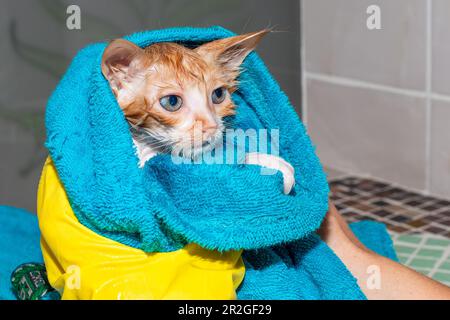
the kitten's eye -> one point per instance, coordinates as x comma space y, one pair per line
219, 95
171, 103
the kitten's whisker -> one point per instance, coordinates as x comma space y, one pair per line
151, 141
157, 144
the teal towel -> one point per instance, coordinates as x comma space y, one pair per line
307, 269
165, 205
19, 243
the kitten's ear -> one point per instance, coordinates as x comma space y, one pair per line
231, 51
120, 62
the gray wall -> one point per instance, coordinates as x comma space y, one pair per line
377, 102
36, 48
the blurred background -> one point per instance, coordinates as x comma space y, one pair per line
376, 101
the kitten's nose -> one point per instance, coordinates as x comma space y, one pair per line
207, 128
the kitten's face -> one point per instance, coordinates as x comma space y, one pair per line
176, 98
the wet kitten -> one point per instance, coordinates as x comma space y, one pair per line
176, 98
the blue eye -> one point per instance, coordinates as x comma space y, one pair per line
219, 95
171, 103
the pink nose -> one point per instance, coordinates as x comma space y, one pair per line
206, 127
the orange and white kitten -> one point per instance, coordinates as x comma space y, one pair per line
176, 98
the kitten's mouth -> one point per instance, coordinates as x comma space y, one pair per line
185, 147
195, 150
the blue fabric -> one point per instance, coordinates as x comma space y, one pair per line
290, 271
19, 243
375, 236
225, 206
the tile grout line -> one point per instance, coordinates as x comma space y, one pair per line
413, 246
422, 244
390, 185
440, 97
345, 174
426, 93
349, 82
408, 259
428, 80
388, 221
415, 252
440, 261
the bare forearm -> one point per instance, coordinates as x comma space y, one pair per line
378, 277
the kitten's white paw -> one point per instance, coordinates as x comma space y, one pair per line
274, 162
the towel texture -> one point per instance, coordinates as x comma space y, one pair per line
166, 205
19, 243
307, 269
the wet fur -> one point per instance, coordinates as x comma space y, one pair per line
139, 78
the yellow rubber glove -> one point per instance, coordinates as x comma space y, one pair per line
84, 265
